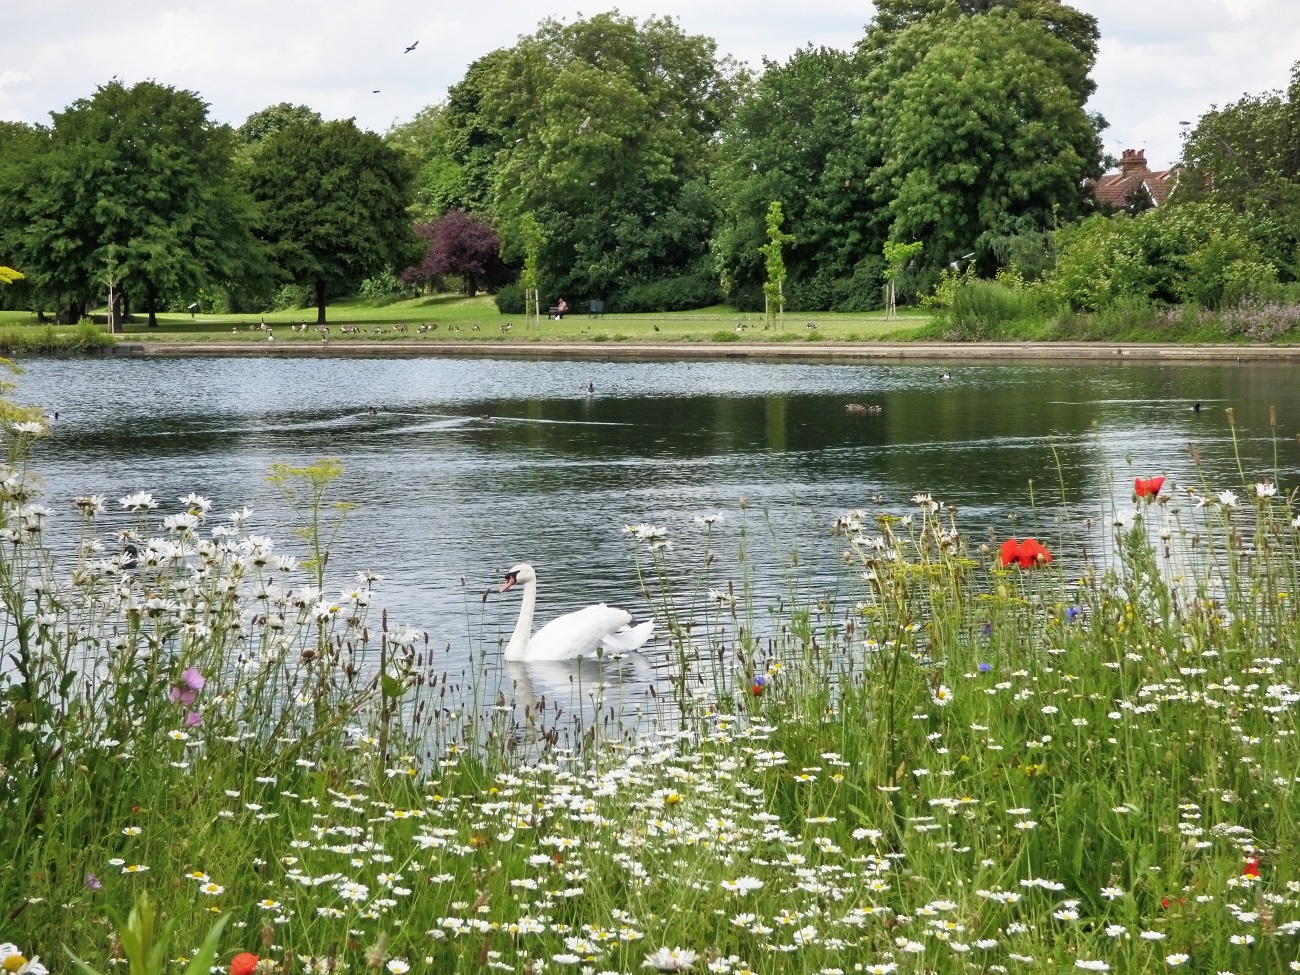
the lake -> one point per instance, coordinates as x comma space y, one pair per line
462, 467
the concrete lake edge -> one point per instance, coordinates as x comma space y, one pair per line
801, 351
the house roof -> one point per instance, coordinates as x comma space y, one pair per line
1117, 189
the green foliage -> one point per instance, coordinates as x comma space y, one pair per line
145, 946
332, 205
858, 293
773, 263
792, 139
83, 337
132, 184
981, 131
385, 288
603, 129
509, 299
898, 256
262, 125
531, 238
681, 293
983, 309
291, 296
1244, 156
1079, 31
1197, 252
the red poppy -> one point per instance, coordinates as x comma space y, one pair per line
1026, 554
1148, 487
1252, 867
243, 963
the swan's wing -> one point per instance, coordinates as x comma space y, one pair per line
628, 638
577, 634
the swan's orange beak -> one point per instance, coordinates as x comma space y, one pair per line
511, 579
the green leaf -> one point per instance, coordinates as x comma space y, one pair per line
392, 686
202, 962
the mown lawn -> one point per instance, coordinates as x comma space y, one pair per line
461, 319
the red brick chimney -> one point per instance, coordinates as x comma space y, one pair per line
1133, 161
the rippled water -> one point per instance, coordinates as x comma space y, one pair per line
462, 467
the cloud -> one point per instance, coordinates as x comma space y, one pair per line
1244, 8
1162, 61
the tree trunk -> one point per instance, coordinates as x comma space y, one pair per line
471, 285
320, 302
126, 308
40, 317
152, 302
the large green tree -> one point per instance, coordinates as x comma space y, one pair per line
19, 143
456, 146
332, 205
132, 186
617, 121
605, 130
1247, 156
270, 120
793, 139
979, 131
1073, 62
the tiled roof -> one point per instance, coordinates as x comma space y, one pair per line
1116, 190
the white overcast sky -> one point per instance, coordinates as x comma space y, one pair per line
1162, 61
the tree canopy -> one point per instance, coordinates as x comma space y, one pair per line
1247, 156
981, 135
604, 130
332, 205
627, 160
133, 185
793, 139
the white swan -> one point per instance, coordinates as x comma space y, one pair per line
574, 635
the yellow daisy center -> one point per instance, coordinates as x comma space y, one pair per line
13, 963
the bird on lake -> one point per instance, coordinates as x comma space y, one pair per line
375, 91
573, 635
591, 389
411, 48
1196, 408
945, 376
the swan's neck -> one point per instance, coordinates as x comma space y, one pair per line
518, 646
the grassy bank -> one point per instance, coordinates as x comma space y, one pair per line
52, 340
462, 319
992, 311
965, 758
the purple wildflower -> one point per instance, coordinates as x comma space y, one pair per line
192, 679
182, 695
93, 882
193, 719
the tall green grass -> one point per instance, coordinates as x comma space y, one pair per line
936, 763
49, 340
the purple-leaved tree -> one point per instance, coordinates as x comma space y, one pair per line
458, 244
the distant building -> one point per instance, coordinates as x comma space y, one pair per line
1134, 186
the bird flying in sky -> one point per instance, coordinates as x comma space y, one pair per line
411, 48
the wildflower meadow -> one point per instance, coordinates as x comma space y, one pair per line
1074, 751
